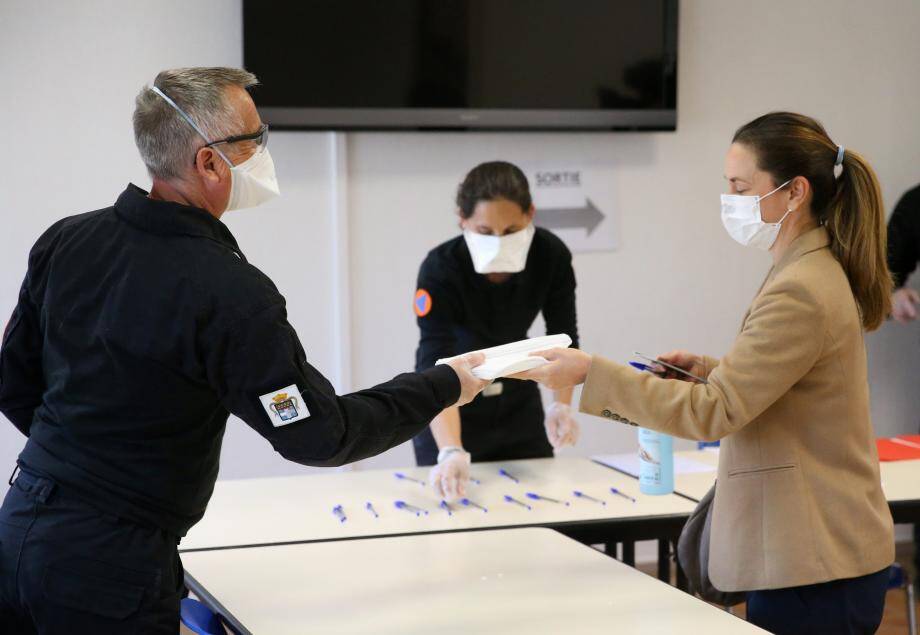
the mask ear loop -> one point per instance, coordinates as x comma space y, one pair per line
190, 122
760, 198
788, 211
780, 221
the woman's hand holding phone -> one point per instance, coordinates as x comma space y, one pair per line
685, 360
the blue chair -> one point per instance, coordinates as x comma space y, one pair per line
899, 579
199, 618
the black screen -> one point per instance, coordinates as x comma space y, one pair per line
560, 55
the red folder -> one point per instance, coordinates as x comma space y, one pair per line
901, 448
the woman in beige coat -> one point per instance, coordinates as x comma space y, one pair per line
799, 518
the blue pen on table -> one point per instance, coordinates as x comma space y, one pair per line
446, 507
614, 490
507, 474
339, 513
468, 503
418, 511
405, 477
588, 498
514, 501
537, 497
371, 509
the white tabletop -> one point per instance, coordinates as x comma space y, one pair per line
294, 509
513, 581
901, 480
695, 471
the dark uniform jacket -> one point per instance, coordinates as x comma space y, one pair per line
139, 328
904, 237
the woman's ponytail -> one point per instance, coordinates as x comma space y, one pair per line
855, 220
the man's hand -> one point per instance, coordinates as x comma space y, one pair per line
470, 385
561, 427
687, 361
451, 475
904, 305
567, 367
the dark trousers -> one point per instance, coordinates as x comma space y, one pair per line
917, 555
66, 567
841, 607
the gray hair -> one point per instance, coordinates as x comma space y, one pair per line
166, 141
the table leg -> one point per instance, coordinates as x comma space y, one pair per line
664, 560
629, 553
681, 582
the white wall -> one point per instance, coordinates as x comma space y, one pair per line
72, 71
677, 280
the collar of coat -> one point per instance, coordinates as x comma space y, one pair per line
812, 240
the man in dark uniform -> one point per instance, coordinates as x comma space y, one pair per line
139, 327
903, 255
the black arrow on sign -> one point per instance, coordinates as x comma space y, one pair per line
588, 217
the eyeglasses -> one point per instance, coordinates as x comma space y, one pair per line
260, 137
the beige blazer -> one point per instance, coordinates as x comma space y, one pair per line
798, 499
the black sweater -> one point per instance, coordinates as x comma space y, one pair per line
904, 237
139, 328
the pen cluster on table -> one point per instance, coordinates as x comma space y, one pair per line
523, 501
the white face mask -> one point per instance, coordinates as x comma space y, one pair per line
252, 182
499, 254
743, 221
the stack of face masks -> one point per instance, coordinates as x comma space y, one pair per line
513, 358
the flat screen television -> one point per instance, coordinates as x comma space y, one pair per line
464, 64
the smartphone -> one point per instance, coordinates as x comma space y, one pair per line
671, 367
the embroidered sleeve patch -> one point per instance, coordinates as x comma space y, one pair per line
284, 406
422, 303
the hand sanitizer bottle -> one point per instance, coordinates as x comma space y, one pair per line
656, 462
